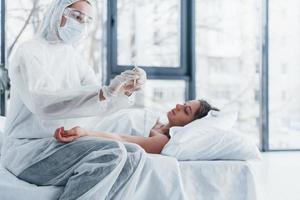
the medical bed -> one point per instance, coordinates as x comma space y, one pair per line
164, 178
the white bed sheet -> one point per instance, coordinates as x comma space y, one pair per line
162, 178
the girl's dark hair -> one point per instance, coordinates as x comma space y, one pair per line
205, 107
87, 2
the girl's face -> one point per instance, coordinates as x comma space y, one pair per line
183, 114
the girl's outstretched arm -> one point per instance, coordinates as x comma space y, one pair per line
153, 144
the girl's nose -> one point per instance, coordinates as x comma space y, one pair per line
178, 106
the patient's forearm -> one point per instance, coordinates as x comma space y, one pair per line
153, 144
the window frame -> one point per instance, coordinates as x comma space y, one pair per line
264, 105
3, 56
264, 100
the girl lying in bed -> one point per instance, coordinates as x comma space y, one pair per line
159, 136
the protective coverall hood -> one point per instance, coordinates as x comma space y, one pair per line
52, 20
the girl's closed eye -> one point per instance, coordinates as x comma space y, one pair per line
186, 110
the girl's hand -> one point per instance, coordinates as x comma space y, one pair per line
67, 136
157, 129
160, 128
158, 125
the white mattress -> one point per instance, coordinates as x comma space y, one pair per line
164, 178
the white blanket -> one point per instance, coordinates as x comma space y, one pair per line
162, 178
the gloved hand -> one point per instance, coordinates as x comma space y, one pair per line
138, 83
142, 78
118, 85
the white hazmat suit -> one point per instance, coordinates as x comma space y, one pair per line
53, 87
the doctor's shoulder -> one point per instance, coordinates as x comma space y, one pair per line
25, 46
23, 56
32, 47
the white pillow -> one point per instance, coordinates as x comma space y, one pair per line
210, 138
212, 144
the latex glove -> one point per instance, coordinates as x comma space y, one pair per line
137, 83
118, 85
142, 78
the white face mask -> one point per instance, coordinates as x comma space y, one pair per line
72, 31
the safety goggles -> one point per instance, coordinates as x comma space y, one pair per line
78, 16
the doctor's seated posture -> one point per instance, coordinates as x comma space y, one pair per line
52, 86
159, 136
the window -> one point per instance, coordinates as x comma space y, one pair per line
227, 58
284, 70
148, 32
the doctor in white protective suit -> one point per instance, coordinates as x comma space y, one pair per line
52, 87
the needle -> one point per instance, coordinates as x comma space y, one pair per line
134, 69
